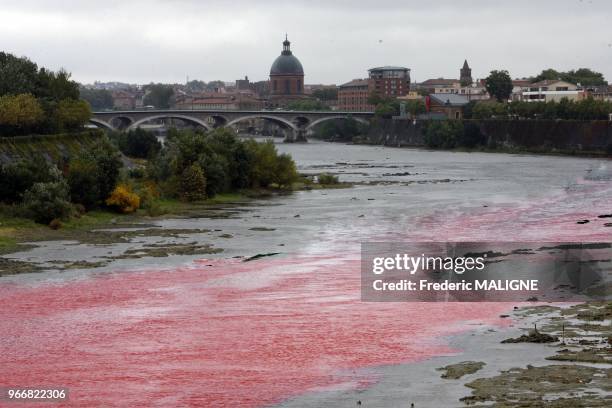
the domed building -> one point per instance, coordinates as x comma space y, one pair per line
286, 76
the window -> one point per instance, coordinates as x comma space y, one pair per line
287, 86
299, 86
275, 85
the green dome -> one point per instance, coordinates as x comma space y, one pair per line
286, 63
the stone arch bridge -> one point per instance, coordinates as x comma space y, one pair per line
298, 124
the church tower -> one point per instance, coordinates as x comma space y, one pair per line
465, 74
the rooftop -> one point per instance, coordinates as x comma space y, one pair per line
389, 68
355, 82
440, 81
449, 99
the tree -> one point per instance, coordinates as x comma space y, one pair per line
17, 75
47, 201
499, 85
326, 94
18, 177
72, 114
98, 99
286, 172
82, 181
159, 95
21, 112
415, 107
56, 86
582, 76
307, 105
193, 184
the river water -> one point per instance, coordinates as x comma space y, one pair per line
187, 331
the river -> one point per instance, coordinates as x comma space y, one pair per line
188, 331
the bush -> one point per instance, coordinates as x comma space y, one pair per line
227, 162
93, 174
137, 143
123, 199
443, 134
108, 164
19, 113
193, 184
83, 182
72, 114
286, 172
18, 177
47, 201
55, 224
328, 179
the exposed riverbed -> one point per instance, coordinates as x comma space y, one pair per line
204, 328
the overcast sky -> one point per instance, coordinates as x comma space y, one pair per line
140, 41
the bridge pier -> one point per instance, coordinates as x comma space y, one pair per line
296, 136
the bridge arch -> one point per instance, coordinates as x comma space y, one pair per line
186, 118
101, 124
321, 120
273, 118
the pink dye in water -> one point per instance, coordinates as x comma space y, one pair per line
228, 333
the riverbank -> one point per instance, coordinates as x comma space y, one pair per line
483, 371
105, 227
557, 137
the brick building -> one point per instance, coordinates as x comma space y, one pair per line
389, 82
353, 96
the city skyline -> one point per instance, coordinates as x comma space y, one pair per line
154, 41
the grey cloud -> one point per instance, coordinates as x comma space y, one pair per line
143, 41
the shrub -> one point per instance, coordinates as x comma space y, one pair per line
83, 182
93, 174
47, 201
286, 172
328, 179
443, 134
18, 177
137, 143
20, 112
193, 184
72, 114
108, 163
123, 199
55, 224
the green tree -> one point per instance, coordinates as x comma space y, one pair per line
98, 99
193, 184
56, 86
159, 95
16, 178
307, 105
499, 85
326, 94
582, 76
82, 181
286, 172
17, 75
415, 107
72, 114
21, 112
443, 134
47, 201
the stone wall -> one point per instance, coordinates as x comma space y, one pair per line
536, 135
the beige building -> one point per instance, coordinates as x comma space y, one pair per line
552, 90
